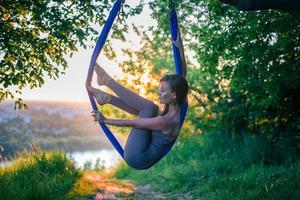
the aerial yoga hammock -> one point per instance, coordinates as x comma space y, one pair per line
180, 70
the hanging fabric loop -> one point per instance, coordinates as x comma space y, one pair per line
99, 45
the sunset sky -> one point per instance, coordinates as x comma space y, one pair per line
71, 86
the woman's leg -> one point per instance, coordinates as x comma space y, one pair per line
139, 141
104, 98
115, 101
127, 96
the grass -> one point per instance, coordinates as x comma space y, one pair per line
51, 175
38, 175
212, 166
216, 166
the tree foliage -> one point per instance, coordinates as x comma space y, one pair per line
37, 36
247, 79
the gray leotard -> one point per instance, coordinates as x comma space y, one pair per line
144, 147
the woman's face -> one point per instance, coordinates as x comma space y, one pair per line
165, 95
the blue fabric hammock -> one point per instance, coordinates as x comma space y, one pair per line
99, 45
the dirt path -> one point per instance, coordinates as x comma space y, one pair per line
110, 188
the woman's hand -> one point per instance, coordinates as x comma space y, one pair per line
178, 41
179, 45
98, 116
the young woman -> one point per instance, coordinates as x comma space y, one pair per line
153, 130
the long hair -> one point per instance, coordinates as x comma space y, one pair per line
179, 85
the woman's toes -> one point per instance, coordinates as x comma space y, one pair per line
89, 88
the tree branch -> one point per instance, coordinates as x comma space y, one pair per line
252, 5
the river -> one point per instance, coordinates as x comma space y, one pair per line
107, 158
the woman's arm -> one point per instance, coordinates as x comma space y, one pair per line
156, 123
178, 43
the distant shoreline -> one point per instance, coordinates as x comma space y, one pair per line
46, 101
50, 124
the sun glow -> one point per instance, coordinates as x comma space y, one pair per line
71, 85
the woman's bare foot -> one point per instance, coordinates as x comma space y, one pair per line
102, 77
101, 97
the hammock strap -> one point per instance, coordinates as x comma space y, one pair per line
99, 45
179, 70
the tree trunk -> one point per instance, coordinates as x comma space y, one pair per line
252, 5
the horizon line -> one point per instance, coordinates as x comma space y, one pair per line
47, 100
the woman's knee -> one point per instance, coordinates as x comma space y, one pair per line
150, 109
154, 107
